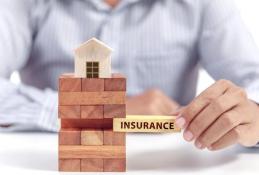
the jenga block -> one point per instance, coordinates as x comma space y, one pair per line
92, 84
87, 152
66, 112
91, 98
92, 165
68, 83
69, 137
114, 165
116, 83
114, 138
115, 111
70, 165
92, 112
91, 137
87, 123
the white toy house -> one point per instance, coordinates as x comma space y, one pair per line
93, 60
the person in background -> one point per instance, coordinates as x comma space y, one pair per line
159, 45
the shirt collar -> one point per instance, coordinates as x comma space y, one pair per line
102, 6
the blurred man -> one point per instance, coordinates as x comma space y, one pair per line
159, 45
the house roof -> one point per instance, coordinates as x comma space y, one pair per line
94, 49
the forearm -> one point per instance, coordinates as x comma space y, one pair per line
26, 108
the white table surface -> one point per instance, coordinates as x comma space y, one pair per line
37, 153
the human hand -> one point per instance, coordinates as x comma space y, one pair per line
220, 116
151, 102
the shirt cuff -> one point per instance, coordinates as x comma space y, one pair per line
48, 119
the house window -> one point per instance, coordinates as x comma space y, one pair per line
92, 69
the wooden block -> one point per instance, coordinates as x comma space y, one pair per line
114, 165
91, 137
69, 137
65, 112
70, 165
92, 84
87, 123
116, 83
92, 112
91, 165
114, 138
91, 98
87, 152
68, 83
145, 123
115, 111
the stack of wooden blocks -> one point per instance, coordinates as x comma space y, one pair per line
87, 107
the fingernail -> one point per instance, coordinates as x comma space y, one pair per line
180, 122
199, 145
188, 136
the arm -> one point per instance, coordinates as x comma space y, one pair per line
226, 113
22, 107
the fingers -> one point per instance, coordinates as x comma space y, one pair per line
211, 113
199, 103
222, 126
228, 139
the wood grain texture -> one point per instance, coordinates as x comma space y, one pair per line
91, 98
70, 165
92, 112
92, 84
69, 137
68, 83
114, 165
104, 151
66, 112
116, 83
87, 123
115, 111
114, 138
91, 137
91, 165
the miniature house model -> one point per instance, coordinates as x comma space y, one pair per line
93, 60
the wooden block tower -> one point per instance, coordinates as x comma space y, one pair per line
89, 99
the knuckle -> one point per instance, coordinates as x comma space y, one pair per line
155, 93
228, 121
207, 98
241, 92
225, 82
217, 105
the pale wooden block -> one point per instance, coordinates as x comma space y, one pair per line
143, 123
91, 98
68, 83
115, 111
114, 165
92, 112
69, 137
70, 165
91, 165
66, 112
114, 138
91, 137
87, 152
